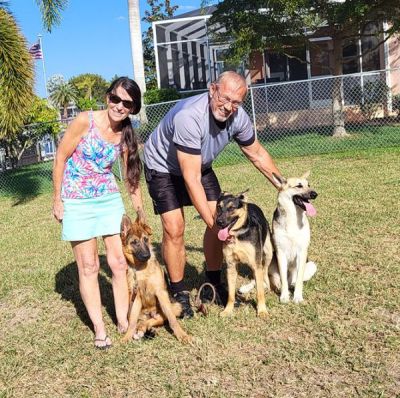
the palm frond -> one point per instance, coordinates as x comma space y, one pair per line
16, 76
51, 12
4, 4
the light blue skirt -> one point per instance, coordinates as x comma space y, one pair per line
88, 218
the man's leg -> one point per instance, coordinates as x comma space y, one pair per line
173, 245
173, 252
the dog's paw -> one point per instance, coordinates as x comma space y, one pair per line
226, 313
128, 336
263, 313
298, 298
284, 298
185, 339
138, 335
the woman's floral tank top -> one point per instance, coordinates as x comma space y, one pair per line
87, 173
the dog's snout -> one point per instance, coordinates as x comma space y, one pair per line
313, 194
219, 222
143, 255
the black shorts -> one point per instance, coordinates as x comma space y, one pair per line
168, 191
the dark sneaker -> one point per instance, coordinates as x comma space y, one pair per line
221, 295
183, 298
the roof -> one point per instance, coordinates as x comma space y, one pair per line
195, 13
190, 25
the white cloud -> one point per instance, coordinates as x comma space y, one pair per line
120, 18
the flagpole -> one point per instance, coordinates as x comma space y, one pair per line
44, 69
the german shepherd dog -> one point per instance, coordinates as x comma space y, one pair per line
291, 234
247, 239
151, 305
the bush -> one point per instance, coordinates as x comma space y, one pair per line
396, 103
161, 95
86, 104
370, 97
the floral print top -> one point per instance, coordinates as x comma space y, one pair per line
87, 173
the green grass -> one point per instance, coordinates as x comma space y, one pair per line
285, 143
343, 342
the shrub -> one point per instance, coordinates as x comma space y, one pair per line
161, 95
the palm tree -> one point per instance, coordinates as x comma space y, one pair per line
62, 95
87, 83
16, 66
137, 48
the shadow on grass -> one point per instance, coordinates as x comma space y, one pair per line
192, 275
26, 183
195, 276
67, 285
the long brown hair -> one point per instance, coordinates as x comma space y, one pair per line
129, 139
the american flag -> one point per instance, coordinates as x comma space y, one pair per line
36, 51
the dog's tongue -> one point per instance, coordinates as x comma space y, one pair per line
310, 209
223, 234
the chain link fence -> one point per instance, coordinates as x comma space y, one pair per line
299, 118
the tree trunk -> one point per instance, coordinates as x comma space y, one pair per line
338, 114
65, 115
137, 50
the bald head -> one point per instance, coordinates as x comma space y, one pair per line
232, 79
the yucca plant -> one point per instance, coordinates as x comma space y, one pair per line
16, 76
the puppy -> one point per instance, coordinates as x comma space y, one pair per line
151, 305
291, 234
247, 239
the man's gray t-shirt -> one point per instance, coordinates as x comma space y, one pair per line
190, 127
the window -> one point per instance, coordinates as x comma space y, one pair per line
369, 45
321, 57
351, 62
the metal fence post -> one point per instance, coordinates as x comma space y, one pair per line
253, 110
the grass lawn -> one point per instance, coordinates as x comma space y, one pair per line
344, 341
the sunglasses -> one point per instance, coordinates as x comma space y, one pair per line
116, 100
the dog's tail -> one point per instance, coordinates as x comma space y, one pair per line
311, 269
275, 279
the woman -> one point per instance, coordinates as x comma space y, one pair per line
87, 200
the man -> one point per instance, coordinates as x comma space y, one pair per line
178, 158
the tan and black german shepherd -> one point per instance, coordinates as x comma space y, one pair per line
151, 304
247, 240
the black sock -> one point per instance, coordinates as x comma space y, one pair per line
176, 287
214, 277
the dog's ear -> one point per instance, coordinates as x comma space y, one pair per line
242, 196
306, 175
148, 229
125, 226
279, 181
140, 220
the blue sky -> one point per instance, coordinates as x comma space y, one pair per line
93, 37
